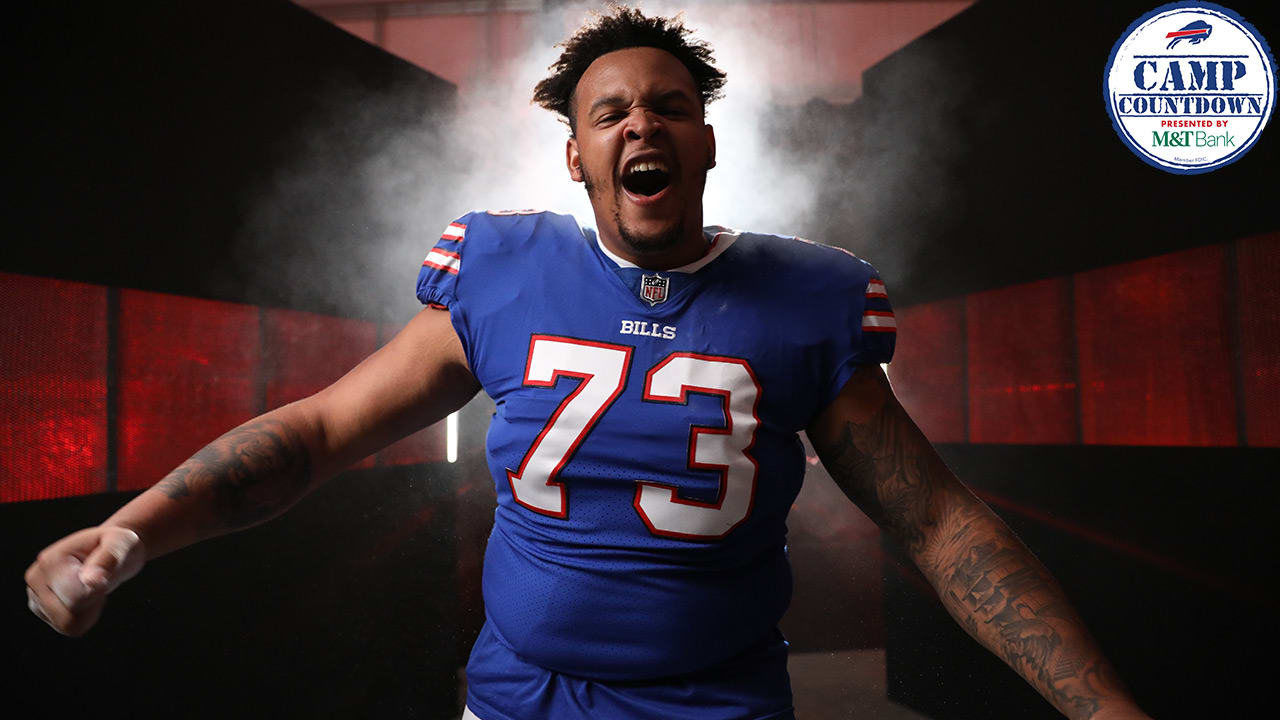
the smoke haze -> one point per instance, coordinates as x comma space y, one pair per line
781, 168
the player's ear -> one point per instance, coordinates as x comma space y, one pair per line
573, 160
711, 147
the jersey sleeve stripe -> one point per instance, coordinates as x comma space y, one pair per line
446, 268
443, 260
879, 321
456, 232
875, 289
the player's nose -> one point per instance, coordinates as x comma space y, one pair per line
642, 124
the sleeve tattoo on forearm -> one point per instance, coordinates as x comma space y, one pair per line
253, 471
994, 587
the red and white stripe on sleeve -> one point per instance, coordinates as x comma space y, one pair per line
441, 257
878, 315
456, 232
443, 260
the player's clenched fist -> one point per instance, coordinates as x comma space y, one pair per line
68, 583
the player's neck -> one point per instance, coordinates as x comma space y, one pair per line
690, 248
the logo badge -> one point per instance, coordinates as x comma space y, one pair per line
1196, 31
1190, 87
653, 289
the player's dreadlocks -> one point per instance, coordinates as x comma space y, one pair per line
625, 28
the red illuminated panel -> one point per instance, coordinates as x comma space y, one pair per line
1258, 264
927, 371
1022, 385
425, 446
305, 352
1154, 353
188, 373
53, 389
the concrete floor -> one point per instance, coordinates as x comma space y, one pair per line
847, 685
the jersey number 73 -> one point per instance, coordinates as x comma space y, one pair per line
602, 368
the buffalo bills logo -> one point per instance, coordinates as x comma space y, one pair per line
653, 289
1197, 32
1190, 113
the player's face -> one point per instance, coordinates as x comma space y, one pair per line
643, 151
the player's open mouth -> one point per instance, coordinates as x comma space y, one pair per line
646, 181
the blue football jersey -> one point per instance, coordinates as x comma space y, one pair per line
644, 442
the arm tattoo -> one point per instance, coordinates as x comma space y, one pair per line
1003, 597
986, 578
875, 466
253, 472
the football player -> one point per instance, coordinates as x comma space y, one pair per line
650, 379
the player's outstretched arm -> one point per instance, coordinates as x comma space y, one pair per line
987, 579
258, 470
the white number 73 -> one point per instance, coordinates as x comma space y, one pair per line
603, 369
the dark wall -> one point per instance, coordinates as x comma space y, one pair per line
981, 155
1171, 555
151, 144
143, 136
343, 607
143, 140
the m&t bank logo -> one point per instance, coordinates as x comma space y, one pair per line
1190, 87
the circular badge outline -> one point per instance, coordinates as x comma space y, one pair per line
1230, 15
1184, 168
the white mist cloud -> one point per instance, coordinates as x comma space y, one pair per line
520, 148
511, 154
502, 152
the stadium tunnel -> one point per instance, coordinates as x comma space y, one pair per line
217, 209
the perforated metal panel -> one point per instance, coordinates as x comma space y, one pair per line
53, 388
928, 368
1022, 374
189, 371
1258, 270
305, 352
1154, 347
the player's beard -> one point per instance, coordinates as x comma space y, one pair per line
636, 241
643, 244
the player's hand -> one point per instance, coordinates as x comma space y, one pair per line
68, 583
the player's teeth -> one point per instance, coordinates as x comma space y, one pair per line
642, 166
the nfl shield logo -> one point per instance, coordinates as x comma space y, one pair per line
653, 289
